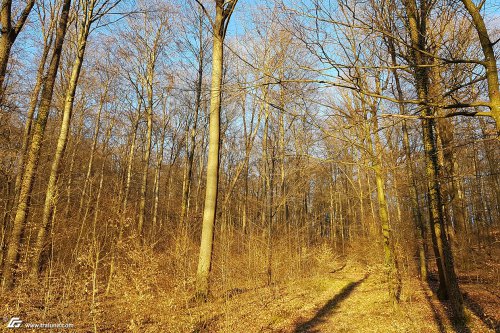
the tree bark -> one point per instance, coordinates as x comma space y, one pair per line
490, 62
19, 224
223, 14
145, 161
417, 19
50, 198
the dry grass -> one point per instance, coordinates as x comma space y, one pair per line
314, 290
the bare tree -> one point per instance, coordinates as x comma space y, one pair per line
223, 14
19, 224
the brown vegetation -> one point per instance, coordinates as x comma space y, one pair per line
227, 166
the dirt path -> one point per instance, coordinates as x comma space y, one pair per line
350, 300
362, 305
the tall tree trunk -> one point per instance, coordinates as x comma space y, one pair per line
48, 207
493, 163
156, 187
191, 143
394, 280
145, 161
490, 61
31, 111
448, 281
124, 203
87, 182
90, 164
223, 14
34, 154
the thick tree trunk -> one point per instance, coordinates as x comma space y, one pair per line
34, 153
448, 281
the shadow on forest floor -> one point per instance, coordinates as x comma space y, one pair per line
437, 317
325, 310
475, 308
457, 326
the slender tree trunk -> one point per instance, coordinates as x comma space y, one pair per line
87, 182
126, 192
413, 189
92, 152
34, 154
394, 280
186, 186
72, 165
31, 111
156, 190
222, 17
147, 151
36, 263
493, 163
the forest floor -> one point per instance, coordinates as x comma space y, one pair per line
338, 295
347, 299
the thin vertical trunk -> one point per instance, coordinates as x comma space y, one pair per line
146, 157
128, 179
32, 107
34, 153
444, 133
413, 189
156, 190
282, 155
394, 280
123, 209
361, 195
71, 166
92, 151
191, 143
62, 140
493, 163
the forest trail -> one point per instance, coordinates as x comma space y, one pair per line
349, 300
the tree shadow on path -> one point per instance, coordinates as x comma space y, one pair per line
474, 306
437, 318
322, 314
458, 327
